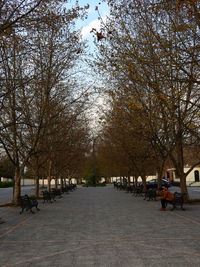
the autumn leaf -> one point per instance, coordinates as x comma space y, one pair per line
100, 36
182, 3
78, 51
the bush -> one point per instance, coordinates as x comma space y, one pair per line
6, 184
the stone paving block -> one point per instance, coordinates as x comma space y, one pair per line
100, 227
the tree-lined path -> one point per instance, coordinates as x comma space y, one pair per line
100, 227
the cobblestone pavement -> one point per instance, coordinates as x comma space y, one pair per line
100, 227
6, 193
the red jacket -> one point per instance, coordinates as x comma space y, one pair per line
167, 195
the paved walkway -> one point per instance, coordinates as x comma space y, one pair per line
100, 227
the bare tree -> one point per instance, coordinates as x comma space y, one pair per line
158, 63
34, 66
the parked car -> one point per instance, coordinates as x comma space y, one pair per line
166, 182
154, 183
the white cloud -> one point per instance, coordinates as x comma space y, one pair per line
93, 24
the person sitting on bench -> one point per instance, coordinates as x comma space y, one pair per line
166, 197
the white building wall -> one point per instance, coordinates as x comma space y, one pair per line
191, 175
150, 177
27, 182
23, 181
6, 179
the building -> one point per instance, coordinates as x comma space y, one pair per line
193, 178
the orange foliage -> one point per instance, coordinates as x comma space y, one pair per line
182, 3
100, 36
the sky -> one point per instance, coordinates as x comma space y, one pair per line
86, 26
92, 20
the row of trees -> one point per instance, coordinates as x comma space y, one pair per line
149, 56
42, 122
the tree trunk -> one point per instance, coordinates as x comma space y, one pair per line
124, 181
37, 186
17, 185
56, 183
180, 166
49, 184
160, 169
144, 182
183, 184
61, 183
49, 176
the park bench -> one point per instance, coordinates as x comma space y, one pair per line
65, 189
122, 187
177, 201
73, 187
48, 196
70, 187
150, 194
117, 185
56, 192
138, 190
129, 189
28, 203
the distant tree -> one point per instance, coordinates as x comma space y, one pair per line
7, 169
